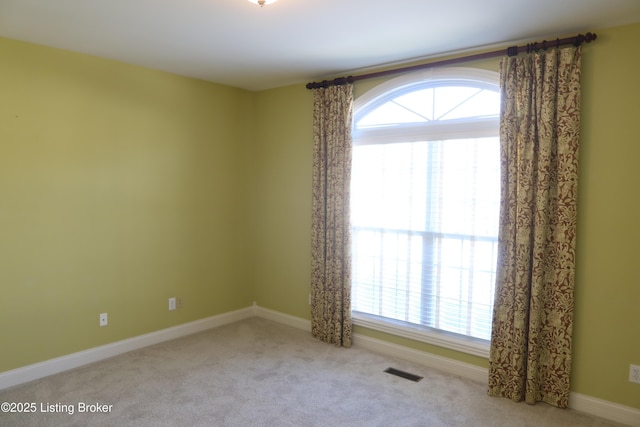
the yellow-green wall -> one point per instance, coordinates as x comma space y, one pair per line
281, 199
121, 187
607, 313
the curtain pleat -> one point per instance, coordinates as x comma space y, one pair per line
531, 344
330, 234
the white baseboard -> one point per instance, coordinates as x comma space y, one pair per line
450, 366
285, 319
53, 366
580, 402
383, 347
605, 409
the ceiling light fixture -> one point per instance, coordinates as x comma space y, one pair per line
262, 2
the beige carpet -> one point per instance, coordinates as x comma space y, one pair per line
260, 373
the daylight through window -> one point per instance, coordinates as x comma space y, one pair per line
425, 202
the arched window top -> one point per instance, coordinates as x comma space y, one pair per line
437, 101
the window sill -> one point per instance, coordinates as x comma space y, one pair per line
443, 339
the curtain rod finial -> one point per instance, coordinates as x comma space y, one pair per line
586, 38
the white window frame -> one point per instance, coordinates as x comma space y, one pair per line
451, 129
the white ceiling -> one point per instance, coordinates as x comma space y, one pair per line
237, 43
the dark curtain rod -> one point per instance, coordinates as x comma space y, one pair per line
511, 51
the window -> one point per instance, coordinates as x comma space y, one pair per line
425, 198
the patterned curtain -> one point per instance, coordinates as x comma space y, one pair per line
530, 357
330, 230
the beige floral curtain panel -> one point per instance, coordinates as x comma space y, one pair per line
330, 231
530, 356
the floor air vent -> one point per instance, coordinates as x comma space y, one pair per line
403, 374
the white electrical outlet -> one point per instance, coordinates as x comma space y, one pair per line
103, 319
172, 303
634, 374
